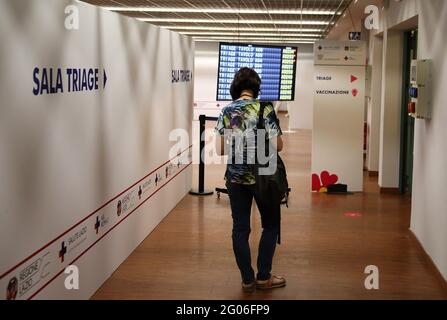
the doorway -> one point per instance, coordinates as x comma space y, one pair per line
407, 122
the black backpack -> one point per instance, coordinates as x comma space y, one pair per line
273, 188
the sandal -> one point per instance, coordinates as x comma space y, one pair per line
273, 282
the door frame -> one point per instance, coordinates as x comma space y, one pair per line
406, 61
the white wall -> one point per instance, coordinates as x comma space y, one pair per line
66, 159
205, 82
398, 12
206, 61
301, 110
429, 206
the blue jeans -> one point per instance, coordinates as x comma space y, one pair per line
241, 197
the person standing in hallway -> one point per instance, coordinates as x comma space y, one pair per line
241, 118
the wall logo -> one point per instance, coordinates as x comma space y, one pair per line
63, 251
12, 289
77, 237
140, 192
97, 224
119, 208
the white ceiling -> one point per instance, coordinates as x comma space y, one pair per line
278, 21
353, 19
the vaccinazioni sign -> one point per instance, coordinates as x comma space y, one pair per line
58, 80
345, 92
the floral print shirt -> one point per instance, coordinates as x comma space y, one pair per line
241, 117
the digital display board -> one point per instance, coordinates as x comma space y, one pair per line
276, 65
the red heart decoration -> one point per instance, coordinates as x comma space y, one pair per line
316, 184
328, 179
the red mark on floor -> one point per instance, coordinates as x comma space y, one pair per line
352, 214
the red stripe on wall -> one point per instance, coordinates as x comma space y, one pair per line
94, 243
91, 214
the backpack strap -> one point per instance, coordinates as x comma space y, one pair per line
261, 124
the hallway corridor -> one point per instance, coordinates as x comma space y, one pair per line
328, 240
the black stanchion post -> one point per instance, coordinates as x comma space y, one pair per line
201, 190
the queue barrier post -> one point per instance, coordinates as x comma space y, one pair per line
200, 191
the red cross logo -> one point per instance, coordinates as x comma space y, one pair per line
97, 225
63, 251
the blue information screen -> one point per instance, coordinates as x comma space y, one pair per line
275, 65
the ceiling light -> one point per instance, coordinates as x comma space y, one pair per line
207, 28
195, 33
221, 10
257, 41
236, 21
